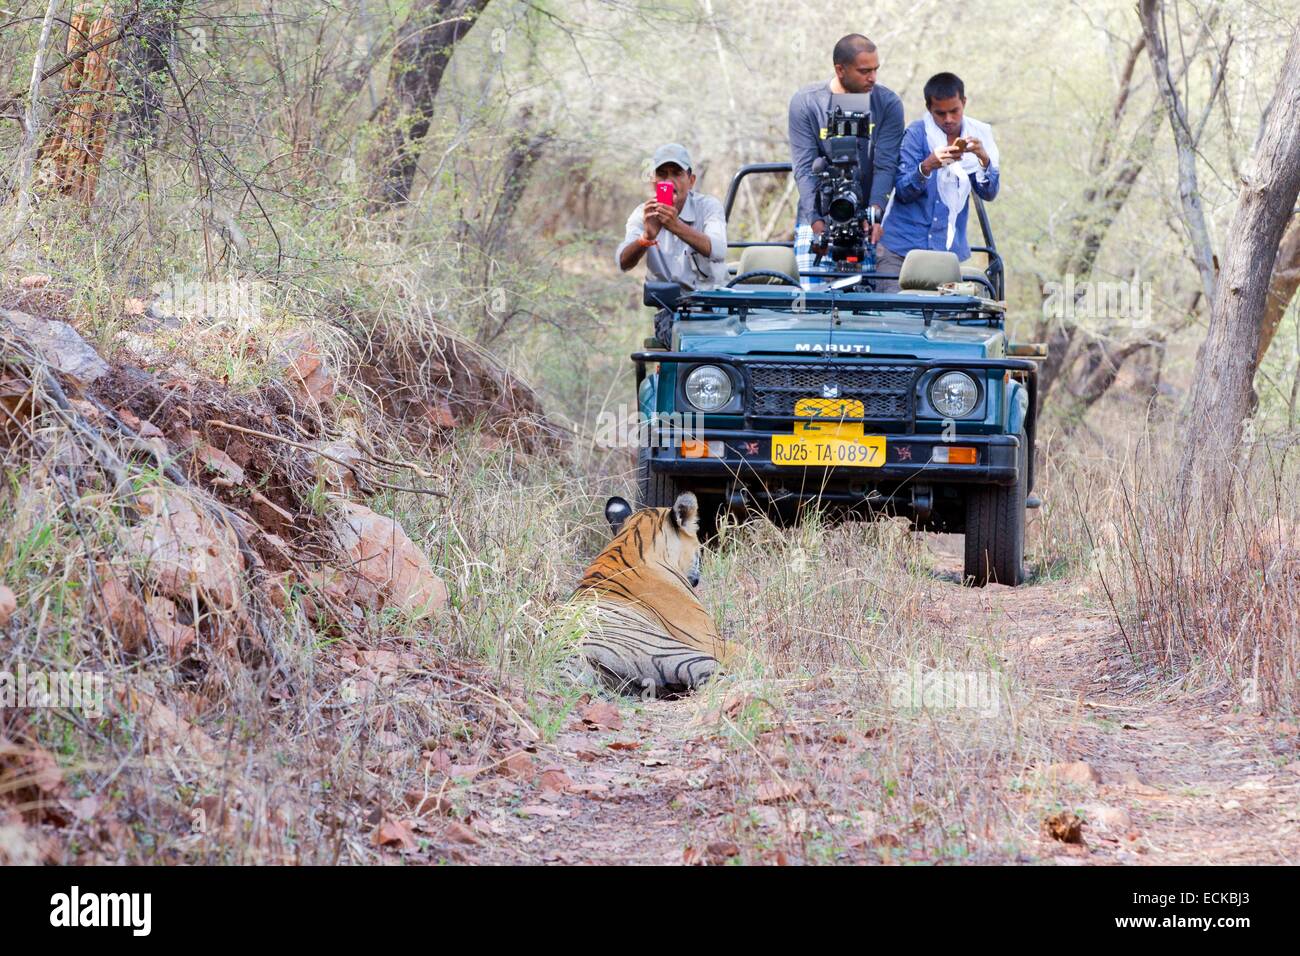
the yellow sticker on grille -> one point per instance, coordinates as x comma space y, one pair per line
823, 438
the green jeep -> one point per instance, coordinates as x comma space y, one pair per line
913, 403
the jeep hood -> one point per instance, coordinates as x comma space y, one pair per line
903, 336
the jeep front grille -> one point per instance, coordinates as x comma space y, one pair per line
884, 390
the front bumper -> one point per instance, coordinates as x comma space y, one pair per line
747, 456
747, 439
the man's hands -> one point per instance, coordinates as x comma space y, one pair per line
975, 146
877, 225
946, 155
877, 228
651, 219
943, 156
658, 216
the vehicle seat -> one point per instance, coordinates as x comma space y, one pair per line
769, 259
924, 270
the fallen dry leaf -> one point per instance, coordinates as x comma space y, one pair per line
165, 727
84, 808
123, 608
601, 715
519, 764
142, 427
1078, 773
459, 833
8, 604
174, 636
722, 849
774, 791
393, 833
219, 462
427, 804
555, 780
1064, 826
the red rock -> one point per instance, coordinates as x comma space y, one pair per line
381, 554
182, 548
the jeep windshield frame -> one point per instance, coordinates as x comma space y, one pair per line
780, 300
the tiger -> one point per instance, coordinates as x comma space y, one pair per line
650, 634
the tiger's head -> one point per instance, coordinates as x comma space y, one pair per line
664, 537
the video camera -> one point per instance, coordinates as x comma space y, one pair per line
844, 184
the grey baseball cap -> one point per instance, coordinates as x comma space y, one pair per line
671, 153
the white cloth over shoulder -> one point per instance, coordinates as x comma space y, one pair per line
954, 179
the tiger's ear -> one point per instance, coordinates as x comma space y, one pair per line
686, 513
617, 511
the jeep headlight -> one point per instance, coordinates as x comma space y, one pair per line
708, 388
954, 394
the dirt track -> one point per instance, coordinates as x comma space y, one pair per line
1183, 779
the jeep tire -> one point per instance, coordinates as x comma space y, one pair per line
654, 489
995, 529
658, 490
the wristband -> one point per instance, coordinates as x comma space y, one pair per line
645, 243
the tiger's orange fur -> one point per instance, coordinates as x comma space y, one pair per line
650, 628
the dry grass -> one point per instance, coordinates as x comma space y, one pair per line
277, 735
307, 748
1214, 594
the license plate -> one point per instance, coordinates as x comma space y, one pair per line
864, 451
823, 439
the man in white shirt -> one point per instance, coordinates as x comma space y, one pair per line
685, 242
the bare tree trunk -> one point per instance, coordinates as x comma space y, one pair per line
526, 148
1225, 373
147, 52
80, 131
1281, 287
31, 132
424, 47
1151, 12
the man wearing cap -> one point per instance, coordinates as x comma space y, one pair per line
685, 242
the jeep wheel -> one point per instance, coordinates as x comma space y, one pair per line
995, 529
654, 489
659, 490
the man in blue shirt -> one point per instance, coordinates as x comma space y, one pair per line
856, 62
943, 159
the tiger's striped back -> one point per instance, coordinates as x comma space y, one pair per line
631, 653
650, 633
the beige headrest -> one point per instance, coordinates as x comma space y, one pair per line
769, 259
926, 270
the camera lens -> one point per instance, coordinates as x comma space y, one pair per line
844, 204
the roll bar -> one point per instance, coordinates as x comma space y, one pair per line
995, 272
